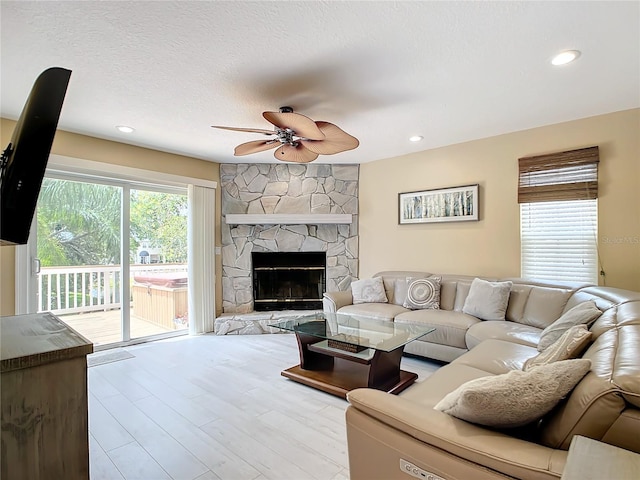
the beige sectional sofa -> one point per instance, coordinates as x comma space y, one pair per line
383, 430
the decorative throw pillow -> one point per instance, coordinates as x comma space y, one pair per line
423, 293
368, 290
582, 313
487, 300
569, 345
516, 398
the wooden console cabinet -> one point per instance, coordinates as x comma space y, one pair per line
44, 404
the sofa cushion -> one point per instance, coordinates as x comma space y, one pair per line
509, 331
451, 327
624, 431
516, 398
368, 290
462, 291
400, 291
487, 300
570, 345
583, 313
394, 280
401, 285
613, 385
399, 294
389, 286
440, 383
605, 297
423, 293
447, 294
536, 305
384, 311
436, 351
496, 356
616, 316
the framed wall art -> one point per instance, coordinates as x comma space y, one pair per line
453, 204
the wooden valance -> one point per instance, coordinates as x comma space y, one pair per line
571, 175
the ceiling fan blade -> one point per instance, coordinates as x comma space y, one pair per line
254, 130
255, 147
297, 154
301, 125
336, 140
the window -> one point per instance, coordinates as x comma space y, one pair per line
559, 215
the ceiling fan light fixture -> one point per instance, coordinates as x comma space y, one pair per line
565, 57
299, 138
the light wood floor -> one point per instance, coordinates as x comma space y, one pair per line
103, 327
215, 407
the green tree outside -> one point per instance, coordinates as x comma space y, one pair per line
79, 223
160, 218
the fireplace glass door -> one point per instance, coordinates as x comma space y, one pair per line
288, 280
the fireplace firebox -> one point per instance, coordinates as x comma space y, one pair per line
288, 280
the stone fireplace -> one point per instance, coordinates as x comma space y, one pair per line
304, 195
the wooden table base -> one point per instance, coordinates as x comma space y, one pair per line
338, 372
344, 377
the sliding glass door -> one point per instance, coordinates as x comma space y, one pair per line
112, 257
158, 262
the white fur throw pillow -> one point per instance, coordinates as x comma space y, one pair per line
582, 313
368, 290
423, 293
487, 300
569, 345
516, 398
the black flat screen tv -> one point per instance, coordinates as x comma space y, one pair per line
25, 159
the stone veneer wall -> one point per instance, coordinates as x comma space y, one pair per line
293, 189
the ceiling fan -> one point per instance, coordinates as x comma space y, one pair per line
299, 138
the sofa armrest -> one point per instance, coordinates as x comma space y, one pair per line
421, 424
334, 301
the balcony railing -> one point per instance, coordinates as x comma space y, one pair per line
64, 290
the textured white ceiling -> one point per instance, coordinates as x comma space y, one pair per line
382, 71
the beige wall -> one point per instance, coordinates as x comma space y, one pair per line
89, 148
491, 246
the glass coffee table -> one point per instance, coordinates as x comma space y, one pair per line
340, 352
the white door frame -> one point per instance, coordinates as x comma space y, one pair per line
26, 269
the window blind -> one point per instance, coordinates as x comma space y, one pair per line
559, 240
571, 175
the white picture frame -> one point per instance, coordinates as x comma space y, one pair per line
452, 204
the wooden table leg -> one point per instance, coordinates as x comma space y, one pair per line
339, 373
312, 360
385, 368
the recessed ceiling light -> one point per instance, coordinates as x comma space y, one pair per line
125, 129
415, 138
565, 57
